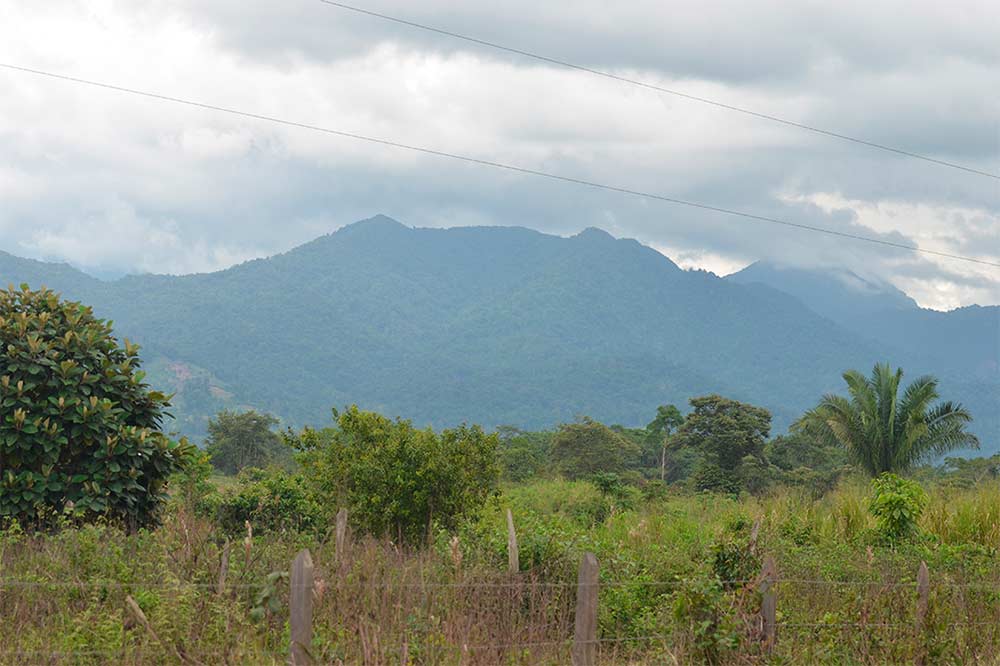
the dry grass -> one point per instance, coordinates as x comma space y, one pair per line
62, 596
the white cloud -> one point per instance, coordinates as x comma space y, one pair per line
180, 189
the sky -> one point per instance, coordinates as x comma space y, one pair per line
113, 183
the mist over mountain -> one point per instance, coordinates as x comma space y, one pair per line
504, 325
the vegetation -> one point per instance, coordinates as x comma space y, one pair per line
586, 448
397, 480
680, 514
508, 326
79, 430
239, 440
668, 419
730, 435
663, 564
886, 432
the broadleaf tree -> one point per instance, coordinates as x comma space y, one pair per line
731, 435
238, 440
80, 431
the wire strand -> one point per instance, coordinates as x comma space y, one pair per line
652, 86
500, 165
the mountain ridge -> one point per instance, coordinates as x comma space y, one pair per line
487, 324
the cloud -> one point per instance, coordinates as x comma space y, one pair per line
118, 183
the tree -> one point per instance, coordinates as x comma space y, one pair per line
668, 419
884, 432
523, 453
80, 433
727, 432
396, 479
587, 447
243, 440
808, 461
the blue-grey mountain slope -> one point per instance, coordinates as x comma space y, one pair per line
491, 325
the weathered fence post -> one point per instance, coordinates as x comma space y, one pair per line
513, 561
754, 535
220, 587
341, 539
585, 636
769, 603
923, 597
301, 607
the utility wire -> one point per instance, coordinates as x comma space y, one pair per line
498, 165
653, 86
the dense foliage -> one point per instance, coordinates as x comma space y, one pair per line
398, 480
887, 432
896, 504
270, 501
79, 430
586, 448
238, 440
731, 436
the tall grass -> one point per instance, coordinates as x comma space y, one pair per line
846, 595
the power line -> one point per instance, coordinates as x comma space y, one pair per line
498, 165
652, 86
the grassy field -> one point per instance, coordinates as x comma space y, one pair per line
678, 576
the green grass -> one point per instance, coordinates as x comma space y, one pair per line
847, 596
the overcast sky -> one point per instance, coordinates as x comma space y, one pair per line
114, 183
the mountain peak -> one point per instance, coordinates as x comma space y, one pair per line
594, 234
834, 292
377, 223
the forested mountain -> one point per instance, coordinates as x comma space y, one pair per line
966, 341
502, 325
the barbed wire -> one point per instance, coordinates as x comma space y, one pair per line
334, 583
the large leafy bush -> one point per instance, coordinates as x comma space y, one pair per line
270, 500
897, 504
396, 479
79, 430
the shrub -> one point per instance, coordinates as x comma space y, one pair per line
734, 561
79, 431
700, 606
272, 501
710, 477
398, 480
896, 504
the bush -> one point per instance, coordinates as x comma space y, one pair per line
79, 431
700, 606
710, 477
896, 504
398, 480
271, 501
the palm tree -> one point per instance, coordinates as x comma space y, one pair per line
883, 432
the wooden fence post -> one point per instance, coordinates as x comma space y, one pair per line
769, 603
341, 536
923, 597
513, 561
301, 607
220, 587
585, 636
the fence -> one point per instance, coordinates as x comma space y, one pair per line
584, 643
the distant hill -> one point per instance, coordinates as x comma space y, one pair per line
835, 293
500, 325
966, 340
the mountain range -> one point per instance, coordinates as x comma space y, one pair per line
505, 325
